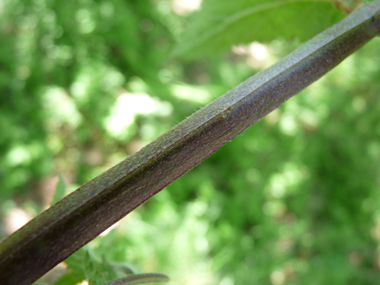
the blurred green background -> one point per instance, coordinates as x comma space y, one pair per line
293, 200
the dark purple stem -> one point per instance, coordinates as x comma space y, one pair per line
81, 216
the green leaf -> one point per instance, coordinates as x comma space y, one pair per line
82, 265
75, 273
98, 273
60, 190
223, 23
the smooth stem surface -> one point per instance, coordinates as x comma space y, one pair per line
81, 216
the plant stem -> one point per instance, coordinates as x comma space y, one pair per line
140, 279
71, 223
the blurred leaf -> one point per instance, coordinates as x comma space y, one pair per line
83, 266
75, 273
347, 6
221, 24
98, 273
60, 190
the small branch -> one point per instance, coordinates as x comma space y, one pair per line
140, 279
81, 216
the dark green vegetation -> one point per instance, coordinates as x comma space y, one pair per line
291, 200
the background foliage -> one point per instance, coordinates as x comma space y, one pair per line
293, 200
